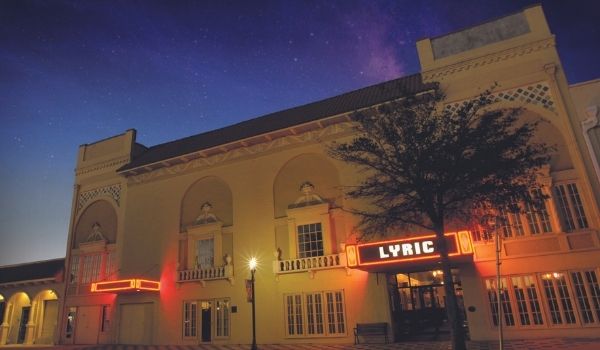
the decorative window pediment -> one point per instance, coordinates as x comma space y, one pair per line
308, 197
311, 241
205, 258
206, 217
95, 241
309, 226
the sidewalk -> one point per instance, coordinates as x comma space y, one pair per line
533, 344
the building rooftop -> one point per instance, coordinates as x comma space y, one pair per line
32, 271
315, 111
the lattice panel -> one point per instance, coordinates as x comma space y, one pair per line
538, 94
112, 191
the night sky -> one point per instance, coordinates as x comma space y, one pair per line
74, 72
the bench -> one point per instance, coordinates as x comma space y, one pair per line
370, 329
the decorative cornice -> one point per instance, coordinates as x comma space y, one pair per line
112, 191
438, 74
249, 151
24, 283
111, 163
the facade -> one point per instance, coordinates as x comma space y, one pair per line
161, 236
29, 302
586, 98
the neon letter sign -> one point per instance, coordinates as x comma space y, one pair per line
407, 249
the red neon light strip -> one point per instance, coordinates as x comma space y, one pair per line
147, 285
110, 286
125, 285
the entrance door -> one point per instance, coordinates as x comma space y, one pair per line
87, 325
49, 322
136, 323
23, 324
419, 304
206, 319
2, 308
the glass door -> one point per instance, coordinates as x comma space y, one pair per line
23, 324
206, 318
419, 303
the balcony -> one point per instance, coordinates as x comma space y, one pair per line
310, 265
206, 274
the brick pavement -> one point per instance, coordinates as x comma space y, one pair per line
538, 344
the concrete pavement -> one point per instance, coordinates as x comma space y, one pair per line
538, 344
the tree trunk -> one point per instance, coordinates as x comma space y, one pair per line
454, 315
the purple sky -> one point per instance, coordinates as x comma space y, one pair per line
73, 72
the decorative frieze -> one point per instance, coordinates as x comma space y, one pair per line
536, 94
287, 141
112, 163
112, 191
440, 73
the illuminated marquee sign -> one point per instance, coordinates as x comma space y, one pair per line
130, 285
406, 250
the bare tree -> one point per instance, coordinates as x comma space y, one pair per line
425, 165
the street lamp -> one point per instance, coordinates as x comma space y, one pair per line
490, 222
252, 266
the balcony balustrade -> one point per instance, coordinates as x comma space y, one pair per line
206, 274
310, 264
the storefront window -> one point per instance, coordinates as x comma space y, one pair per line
190, 314
587, 291
526, 298
294, 314
222, 318
505, 302
335, 312
490, 286
558, 298
323, 313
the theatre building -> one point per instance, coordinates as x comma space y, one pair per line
160, 236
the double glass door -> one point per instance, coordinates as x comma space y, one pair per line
418, 303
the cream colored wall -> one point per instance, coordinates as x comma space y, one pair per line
517, 62
151, 243
261, 184
99, 195
522, 61
586, 101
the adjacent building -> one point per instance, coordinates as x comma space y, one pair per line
161, 236
29, 302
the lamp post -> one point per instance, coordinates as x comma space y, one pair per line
491, 223
252, 266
